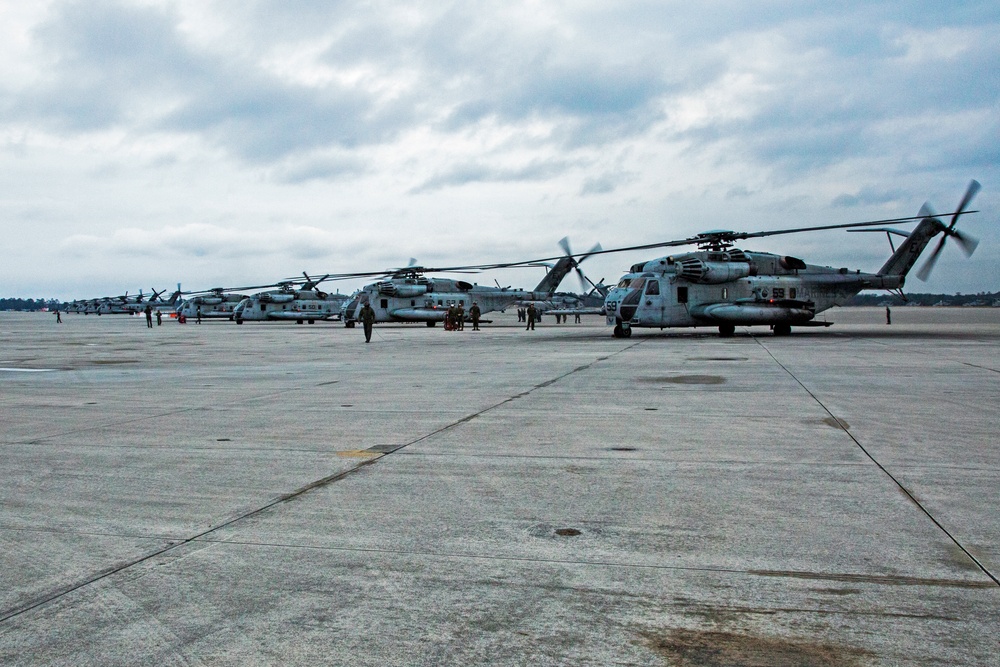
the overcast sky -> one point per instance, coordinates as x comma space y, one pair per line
145, 143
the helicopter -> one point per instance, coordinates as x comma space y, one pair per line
722, 286
408, 295
216, 303
121, 305
292, 301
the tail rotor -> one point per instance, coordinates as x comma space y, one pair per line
965, 241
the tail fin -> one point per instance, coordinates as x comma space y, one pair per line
550, 283
901, 261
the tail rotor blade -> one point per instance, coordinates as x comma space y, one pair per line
925, 270
970, 192
564, 244
967, 242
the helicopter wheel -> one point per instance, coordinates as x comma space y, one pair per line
431, 323
618, 332
727, 330
239, 320
782, 329
349, 325
312, 321
627, 331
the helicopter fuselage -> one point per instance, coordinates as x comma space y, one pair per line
421, 299
289, 305
212, 306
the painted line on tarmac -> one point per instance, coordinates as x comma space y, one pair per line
6, 615
881, 467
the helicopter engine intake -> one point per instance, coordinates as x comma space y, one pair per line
711, 273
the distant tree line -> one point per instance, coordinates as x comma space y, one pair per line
11, 303
959, 299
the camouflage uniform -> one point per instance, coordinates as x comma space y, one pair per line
367, 317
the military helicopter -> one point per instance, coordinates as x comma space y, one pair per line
292, 301
216, 303
408, 295
121, 305
722, 286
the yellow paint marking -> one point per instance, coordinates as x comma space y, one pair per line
359, 454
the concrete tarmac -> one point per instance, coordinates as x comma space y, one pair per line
274, 494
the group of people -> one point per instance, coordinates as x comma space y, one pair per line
454, 319
149, 316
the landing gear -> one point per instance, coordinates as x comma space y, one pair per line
349, 324
431, 323
727, 330
782, 329
311, 321
622, 331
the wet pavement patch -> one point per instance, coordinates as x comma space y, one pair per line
718, 359
623, 449
685, 379
713, 649
567, 532
837, 423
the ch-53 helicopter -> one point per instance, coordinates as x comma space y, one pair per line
293, 301
122, 305
216, 303
408, 295
721, 285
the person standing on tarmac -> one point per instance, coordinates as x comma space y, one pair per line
159, 317
149, 316
530, 317
460, 317
197, 316
474, 313
367, 317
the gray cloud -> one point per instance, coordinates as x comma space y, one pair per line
479, 172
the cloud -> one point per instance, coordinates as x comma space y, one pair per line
480, 172
867, 196
205, 241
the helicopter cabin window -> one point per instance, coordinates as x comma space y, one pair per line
384, 303
682, 294
652, 288
778, 292
413, 302
440, 302
791, 292
725, 292
637, 283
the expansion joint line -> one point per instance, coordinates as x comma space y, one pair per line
6, 615
885, 471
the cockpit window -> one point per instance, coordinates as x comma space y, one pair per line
637, 283
653, 287
624, 282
